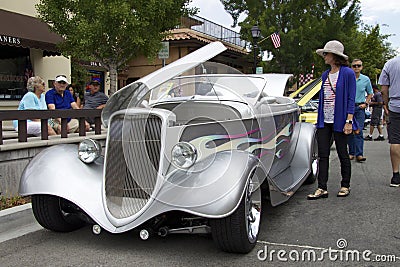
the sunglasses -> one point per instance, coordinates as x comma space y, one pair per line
356, 66
62, 82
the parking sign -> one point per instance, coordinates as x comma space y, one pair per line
164, 51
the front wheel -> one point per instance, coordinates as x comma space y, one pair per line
238, 232
55, 213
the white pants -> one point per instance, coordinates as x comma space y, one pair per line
33, 128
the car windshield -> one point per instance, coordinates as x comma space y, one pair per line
208, 81
219, 87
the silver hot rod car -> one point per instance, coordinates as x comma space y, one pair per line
188, 150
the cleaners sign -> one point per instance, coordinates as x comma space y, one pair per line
4, 39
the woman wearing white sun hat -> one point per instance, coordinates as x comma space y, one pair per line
335, 116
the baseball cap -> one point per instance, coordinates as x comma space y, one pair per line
93, 81
61, 78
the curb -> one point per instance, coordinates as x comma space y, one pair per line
17, 221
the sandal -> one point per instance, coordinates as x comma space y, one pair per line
319, 193
343, 192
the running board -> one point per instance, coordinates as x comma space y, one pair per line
287, 180
283, 186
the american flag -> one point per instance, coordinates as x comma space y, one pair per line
276, 39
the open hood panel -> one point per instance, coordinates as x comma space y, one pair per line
136, 90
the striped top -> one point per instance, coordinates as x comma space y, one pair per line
329, 97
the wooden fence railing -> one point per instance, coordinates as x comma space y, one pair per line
23, 115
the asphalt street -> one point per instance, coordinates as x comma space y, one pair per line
366, 223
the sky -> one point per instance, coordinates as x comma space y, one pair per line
383, 12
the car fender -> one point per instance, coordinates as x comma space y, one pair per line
58, 171
213, 191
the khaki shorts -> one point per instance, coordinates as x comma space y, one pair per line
73, 125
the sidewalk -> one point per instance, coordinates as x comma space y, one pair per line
16, 222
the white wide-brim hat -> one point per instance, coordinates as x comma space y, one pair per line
334, 47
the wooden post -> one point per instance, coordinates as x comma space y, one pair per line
22, 131
44, 129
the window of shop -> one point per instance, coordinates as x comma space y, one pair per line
14, 66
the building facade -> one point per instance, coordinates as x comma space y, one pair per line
28, 47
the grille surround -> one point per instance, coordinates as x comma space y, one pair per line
132, 162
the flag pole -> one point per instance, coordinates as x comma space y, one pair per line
264, 39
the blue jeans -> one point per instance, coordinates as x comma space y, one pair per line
356, 141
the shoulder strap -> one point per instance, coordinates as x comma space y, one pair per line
330, 83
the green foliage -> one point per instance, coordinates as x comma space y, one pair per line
112, 32
306, 25
373, 50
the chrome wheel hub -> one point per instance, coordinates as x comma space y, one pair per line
253, 208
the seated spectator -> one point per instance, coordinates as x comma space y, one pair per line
71, 87
34, 99
94, 99
60, 98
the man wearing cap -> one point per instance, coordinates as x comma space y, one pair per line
59, 98
364, 87
94, 99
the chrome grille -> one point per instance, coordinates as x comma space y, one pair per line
133, 155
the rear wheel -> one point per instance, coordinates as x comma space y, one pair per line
238, 232
55, 213
314, 166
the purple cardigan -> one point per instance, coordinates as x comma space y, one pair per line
344, 99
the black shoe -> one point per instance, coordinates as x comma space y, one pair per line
379, 138
395, 182
368, 138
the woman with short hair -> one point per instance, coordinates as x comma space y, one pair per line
34, 99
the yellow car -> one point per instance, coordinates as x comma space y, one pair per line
307, 98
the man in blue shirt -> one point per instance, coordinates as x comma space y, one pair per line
363, 96
59, 98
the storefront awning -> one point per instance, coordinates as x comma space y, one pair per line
26, 31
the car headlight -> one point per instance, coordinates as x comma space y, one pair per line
89, 150
184, 155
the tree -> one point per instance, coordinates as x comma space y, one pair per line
374, 51
304, 26
112, 32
